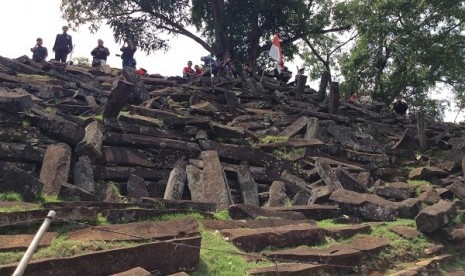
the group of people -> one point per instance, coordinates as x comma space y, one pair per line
63, 46
399, 105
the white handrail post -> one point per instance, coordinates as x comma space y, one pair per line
34, 244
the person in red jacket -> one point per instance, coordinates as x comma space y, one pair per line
353, 98
188, 72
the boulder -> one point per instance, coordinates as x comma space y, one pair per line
17, 180
300, 199
83, 176
215, 185
55, 168
71, 192
15, 101
136, 187
277, 194
176, 182
396, 191
434, 217
366, 206
426, 173
91, 144
458, 188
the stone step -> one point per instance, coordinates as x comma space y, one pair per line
334, 255
347, 231
79, 214
254, 240
250, 224
132, 215
163, 230
313, 211
247, 211
289, 269
21, 242
426, 267
166, 257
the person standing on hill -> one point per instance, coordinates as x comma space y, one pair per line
188, 71
128, 54
100, 54
40, 53
63, 45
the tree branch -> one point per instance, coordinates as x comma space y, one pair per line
315, 52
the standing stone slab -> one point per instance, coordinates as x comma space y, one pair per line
91, 144
278, 197
312, 128
118, 98
140, 91
434, 217
55, 168
176, 182
83, 176
195, 183
136, 187
215, 186
19, 181
327, 175
248, 186
301, 199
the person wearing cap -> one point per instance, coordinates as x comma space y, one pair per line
39, 52
100, 54
63, 45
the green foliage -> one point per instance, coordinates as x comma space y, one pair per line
48, 198
10, 196
218, 261
285, 154
222, 215
273, 139
405, 47
197, 216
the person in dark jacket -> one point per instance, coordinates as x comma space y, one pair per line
128, 54
100, 54
40, 53
63, 45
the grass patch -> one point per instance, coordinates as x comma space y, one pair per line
221, 263
47, 198
222, 215
168, 217
61, 247
328, 223
273, 139
285, 154
418, 184
10, 196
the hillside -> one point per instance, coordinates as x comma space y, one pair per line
219, 177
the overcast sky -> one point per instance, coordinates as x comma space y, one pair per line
23, 21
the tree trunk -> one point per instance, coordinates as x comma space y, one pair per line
300, 86
421, 131
221, 37
334, 98
325, 78
254, 40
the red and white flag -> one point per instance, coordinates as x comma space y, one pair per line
276, 53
